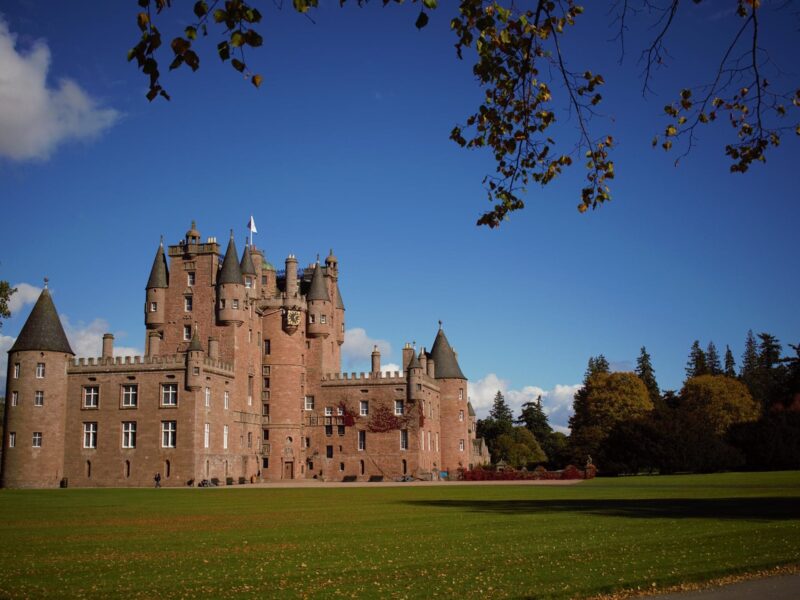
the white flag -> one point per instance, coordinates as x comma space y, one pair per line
252, 225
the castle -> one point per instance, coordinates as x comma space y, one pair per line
240, 381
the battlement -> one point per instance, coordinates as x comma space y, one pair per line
360, 378
183, 248
210, 364
145, 363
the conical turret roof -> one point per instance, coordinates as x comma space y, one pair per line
445, 359
43, 331
246, 266
414, 362
339, 302
230, 271
195, 345
318, 290
159, 274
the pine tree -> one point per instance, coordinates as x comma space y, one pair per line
712, 360
535, 420
696, 365
500, 411
645, 371
749, 359
730, 365
769, 351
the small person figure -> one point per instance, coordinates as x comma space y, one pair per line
157, 479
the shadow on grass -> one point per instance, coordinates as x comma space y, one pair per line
756, 509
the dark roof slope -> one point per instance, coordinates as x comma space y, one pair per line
318, 290
195, 345
339, 302
470, 410
159, 274
43, 331
246, 266
230, 272
414, 362
445, 359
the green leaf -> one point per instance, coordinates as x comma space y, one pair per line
224, 50
191, 33
430, 3
237, 39
422, 20
200, 9
238, 65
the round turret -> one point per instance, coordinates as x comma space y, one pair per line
320, 312
155, 306
230, 288
193, 235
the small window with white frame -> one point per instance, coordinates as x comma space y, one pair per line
187, 333
16, 370
398, 407
90, 435
311, 318
91, 396
129, 434
363, 408
36, 441
328, 411
227, 399
207, 435
38, 398
169, 434
362, 440
404, 439
460, 393
235, 304
169, 394
130, 396
248, 282
461, 415
340, 411
153, 306
12, 439
323, 319
39, 370
309, 403
225, 437
188, 303
208, 397
460, 445
14, 398
190, 278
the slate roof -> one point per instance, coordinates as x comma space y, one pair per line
230, 271
159, 274
195, 345
414, 362
445, 359
43, 331
339, 302
318, 290
246, 266
470, 410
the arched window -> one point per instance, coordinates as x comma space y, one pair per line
127, 469
405, 467
362, 466
167, 468
89, 469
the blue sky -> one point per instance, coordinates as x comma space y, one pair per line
346, 146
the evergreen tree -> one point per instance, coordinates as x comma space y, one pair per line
730, 365
645, 371
696, 365
749, 359
712, 360
500, 411
769, 351
596, 365
534, 419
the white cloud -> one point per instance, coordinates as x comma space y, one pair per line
557, 402
25, 294
87, 339
357, 348
391, 368
35, 118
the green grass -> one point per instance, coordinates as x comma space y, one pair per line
446, 541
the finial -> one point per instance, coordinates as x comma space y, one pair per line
414, 344
194, 224
161, 243
231, 233
46, 280
331, 252
440, 323
375, 348
317, 257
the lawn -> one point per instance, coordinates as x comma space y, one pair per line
415, 542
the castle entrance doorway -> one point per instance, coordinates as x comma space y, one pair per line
288, 470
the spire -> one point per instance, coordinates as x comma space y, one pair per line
339, 302
159, 274
246, 266
195, 345
317, 290
230, 272
43, 331
445, 359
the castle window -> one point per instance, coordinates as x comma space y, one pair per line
342, 327
429, 441
235, 304
309, 403
187, 303
398, 407
90, 435
39, 370
130, 396
266, 382
227, 397
208, 397
329, 430
266, 347
91, 396
461, 415
265, 435
169, 433
265, 463
12, 439
460, 393
341, 466
153, 306
249, 439
362, 443
250, 390
38, 398
248, 282
311, 318
437, 441
329, 451
265, 370
187, 333
339, 411
225, 437
129, 434
460, 445
328, 411
37, 439
265, 410
190, 278
222, 303
405, 466
16, 370
340, 429
361, 462
323, 319
363, 407
169, 395
206, 435
404, 439
14, 398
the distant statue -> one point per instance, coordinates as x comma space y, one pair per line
588, 461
